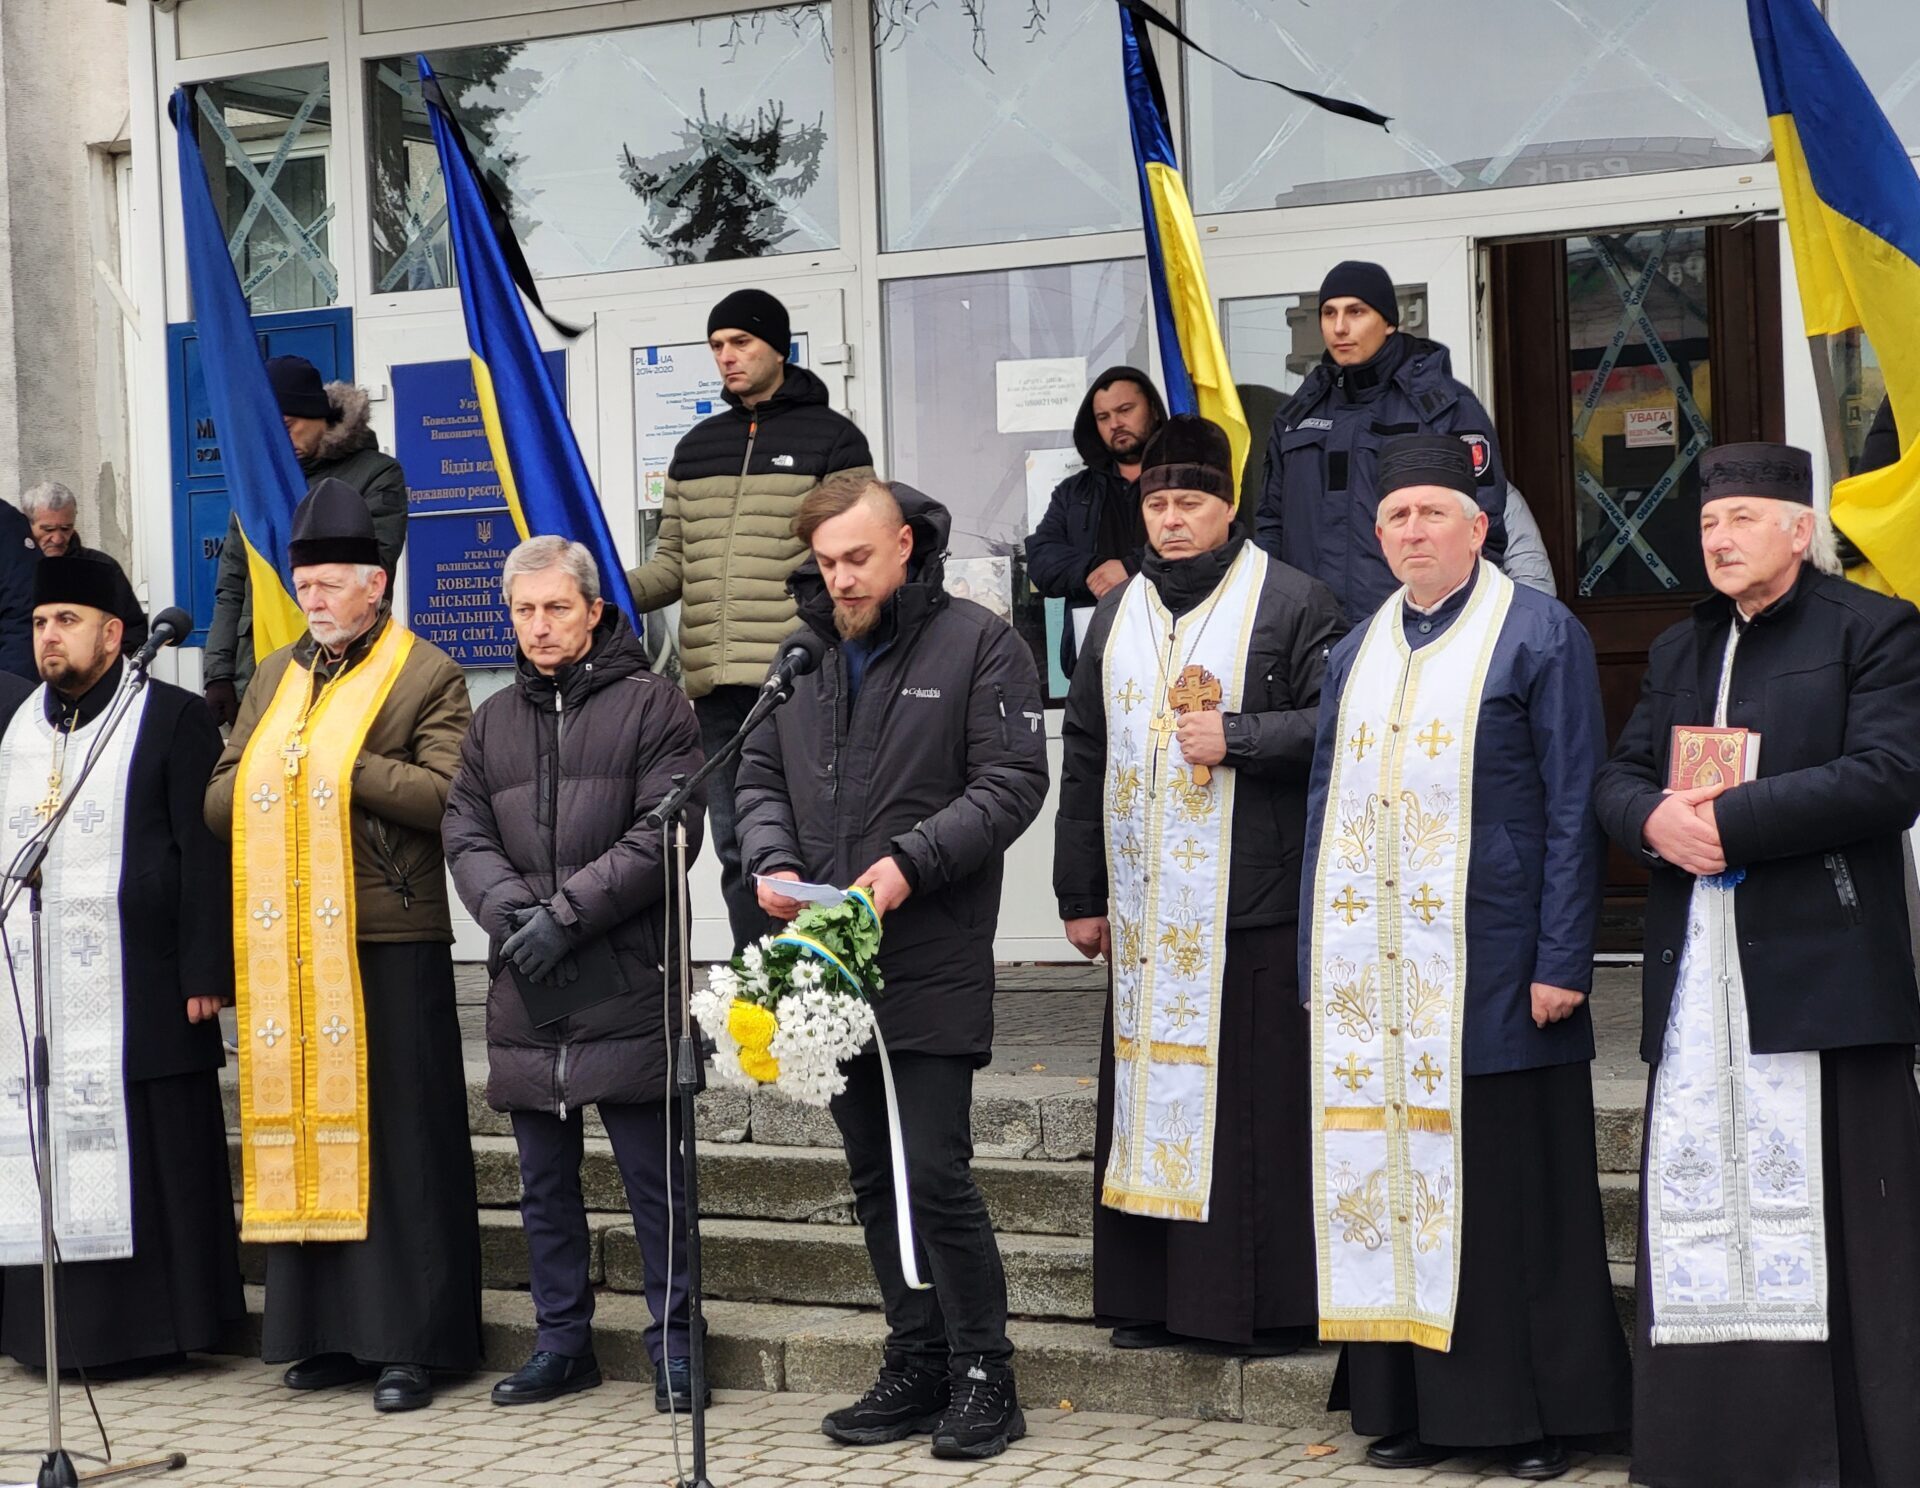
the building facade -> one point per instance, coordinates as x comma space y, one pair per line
1575, 197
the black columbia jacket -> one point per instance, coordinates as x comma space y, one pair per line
939, 762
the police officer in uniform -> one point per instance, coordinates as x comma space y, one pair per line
1375, 382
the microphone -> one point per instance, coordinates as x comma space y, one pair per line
800, 653
170, 627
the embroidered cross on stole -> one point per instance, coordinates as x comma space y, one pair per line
303, 1058
1388, 975
1169, 843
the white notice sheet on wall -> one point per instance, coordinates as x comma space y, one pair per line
674, 387
1039, 395
1046, 468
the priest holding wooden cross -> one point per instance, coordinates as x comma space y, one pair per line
1186, 745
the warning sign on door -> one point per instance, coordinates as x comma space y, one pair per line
1649, 428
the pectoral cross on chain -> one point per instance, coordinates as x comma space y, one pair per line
293, 752
50, 802
1195, 690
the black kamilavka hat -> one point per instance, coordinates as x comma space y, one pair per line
1778, 472
332, 525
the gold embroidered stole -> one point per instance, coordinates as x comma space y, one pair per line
1169, 847
1388, 975
303, 1059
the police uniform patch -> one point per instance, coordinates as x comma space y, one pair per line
1482, 452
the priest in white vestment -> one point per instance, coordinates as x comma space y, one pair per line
1453, 872
138, 939
1184, 756
1779, 1267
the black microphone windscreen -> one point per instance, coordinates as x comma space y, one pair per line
176, 621
803, 652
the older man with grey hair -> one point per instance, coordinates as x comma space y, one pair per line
54, 514
359, 1169
547, 837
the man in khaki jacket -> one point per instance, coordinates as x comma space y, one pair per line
354, 1149
726, 539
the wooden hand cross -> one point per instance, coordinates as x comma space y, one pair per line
1195, 690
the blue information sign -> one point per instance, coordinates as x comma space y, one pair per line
439, 439
453, 584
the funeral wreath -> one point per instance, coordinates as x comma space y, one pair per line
793, 1007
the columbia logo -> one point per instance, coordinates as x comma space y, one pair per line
920, 692
785, 462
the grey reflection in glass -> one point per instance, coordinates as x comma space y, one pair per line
681, 143
944, 338
1640, 399
1527, 92
1859, 388
265, 138
999, 124
1883, 38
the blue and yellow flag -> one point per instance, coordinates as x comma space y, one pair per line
1853, 213
264, 483
544, 479
1193, 359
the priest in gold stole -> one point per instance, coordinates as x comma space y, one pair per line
1453, 872
1184, 756
358, 1168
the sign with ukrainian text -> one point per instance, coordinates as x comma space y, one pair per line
440, 440
453, 584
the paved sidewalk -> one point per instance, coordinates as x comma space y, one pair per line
237, 1425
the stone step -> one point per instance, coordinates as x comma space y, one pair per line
836, 1351
749, 1260
1620, 1206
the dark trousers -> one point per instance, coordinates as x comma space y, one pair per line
721, 712
554, 1217
963, 1318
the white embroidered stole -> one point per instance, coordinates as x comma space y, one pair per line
1735, 1181
80, 928
1389, 975
1169, 847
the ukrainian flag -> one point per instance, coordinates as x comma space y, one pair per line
538, 461
1853, 213
264, 482
1193, 359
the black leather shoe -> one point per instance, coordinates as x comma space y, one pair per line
402, 1387
547, 1376
673, 1388
325, 1372
1405, 1449
1145, 1336
1537, 1461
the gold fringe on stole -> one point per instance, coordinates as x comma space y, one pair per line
1354, 1118
1150, 1206
1429, 1119
305, 1150
1387, 1330
1125, 1050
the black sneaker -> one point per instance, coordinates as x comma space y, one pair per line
673, 1388
983, 1417
904, 1401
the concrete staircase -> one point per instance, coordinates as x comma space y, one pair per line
792, 1304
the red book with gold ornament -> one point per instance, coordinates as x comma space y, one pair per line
1703, 756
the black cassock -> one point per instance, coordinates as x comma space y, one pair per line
180, 1290
1537, 1347
1846, 1412
410, 1292
1249, 1266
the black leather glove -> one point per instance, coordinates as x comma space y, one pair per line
224, 699
539, 945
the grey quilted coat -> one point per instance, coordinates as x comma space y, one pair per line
555, 777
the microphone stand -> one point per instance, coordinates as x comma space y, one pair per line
25, 875
689, 1068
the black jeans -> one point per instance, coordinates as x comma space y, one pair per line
963, 1318
554, 1216
721, 712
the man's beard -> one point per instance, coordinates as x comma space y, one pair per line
854, 621
331, 635
1126, 445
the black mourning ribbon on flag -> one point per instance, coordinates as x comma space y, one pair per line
497, 218
1145, 12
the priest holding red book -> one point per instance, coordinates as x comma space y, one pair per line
1779, 1266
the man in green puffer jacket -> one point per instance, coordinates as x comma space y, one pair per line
726, 539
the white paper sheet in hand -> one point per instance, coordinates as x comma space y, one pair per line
806, 893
